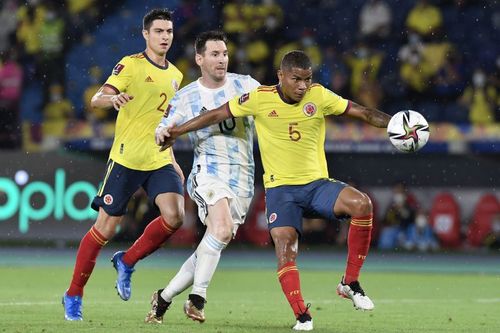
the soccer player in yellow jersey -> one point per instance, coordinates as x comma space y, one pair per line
290, 124
139, 88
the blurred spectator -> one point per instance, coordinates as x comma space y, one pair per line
480, 98
492, 241
9, 24
364, 63
420, 236
50, 62
424, 19
375, 20
399, 215
30, 19
11, 79
238, 16
333, 73
306, 43
415, 71
57, 114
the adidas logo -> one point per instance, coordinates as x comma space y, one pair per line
203, 110
149, 79
273, 114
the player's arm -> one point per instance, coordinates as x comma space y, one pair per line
372, 116
167, 135
107, 97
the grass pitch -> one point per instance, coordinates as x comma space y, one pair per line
250, 300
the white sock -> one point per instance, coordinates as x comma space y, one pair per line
208, 255
181, 281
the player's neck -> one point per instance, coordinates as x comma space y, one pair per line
210, 83
160, 60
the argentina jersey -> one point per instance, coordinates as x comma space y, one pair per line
223, 150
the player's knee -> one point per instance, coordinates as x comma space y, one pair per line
173, 217
223, 230
362, 205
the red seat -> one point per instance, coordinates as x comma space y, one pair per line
486, 208
445, 220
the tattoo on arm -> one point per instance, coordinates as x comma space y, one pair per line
372, 116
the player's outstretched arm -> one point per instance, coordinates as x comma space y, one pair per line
372, 116
106, 98
168, 135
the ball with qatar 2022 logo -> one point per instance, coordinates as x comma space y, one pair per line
408, 131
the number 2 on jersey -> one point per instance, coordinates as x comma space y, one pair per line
293, 133
160, 107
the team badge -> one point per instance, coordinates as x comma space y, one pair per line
272, 217
244, 98
309, 109
108, 199
117, 69
175, 85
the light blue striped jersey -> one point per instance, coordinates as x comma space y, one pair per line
224, 150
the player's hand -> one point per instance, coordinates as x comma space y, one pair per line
161, 134
120, 100
167, 143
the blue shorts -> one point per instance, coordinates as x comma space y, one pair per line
286, 205
120, 183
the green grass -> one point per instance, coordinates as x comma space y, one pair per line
252, 301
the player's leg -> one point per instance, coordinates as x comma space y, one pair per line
358, 206
111, 201
88, 251
218, 234
284, 218
164, 185
162, 298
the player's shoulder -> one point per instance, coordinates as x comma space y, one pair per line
238, 77
316, 87
267, 89
174, 69
188, 89
134, 57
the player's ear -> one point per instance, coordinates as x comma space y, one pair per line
198, 58
145, 34
280, 75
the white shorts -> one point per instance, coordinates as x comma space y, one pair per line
207, 190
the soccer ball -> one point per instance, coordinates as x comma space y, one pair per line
408, 131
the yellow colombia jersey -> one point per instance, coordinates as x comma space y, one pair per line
152, 87
291, 136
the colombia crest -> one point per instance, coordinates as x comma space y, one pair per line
309, 109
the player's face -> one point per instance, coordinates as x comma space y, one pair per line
213, 62
294, 82
159, 37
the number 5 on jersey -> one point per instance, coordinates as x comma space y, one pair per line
294, 134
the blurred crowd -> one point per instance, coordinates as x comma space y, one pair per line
439, 57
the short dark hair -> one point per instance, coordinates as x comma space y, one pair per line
200, 44
295, 58
156, 14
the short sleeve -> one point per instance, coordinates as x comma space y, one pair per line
251, 83
121, 76
175, 114
334, 104
244, 105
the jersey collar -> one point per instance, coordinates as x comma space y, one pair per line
154, 63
